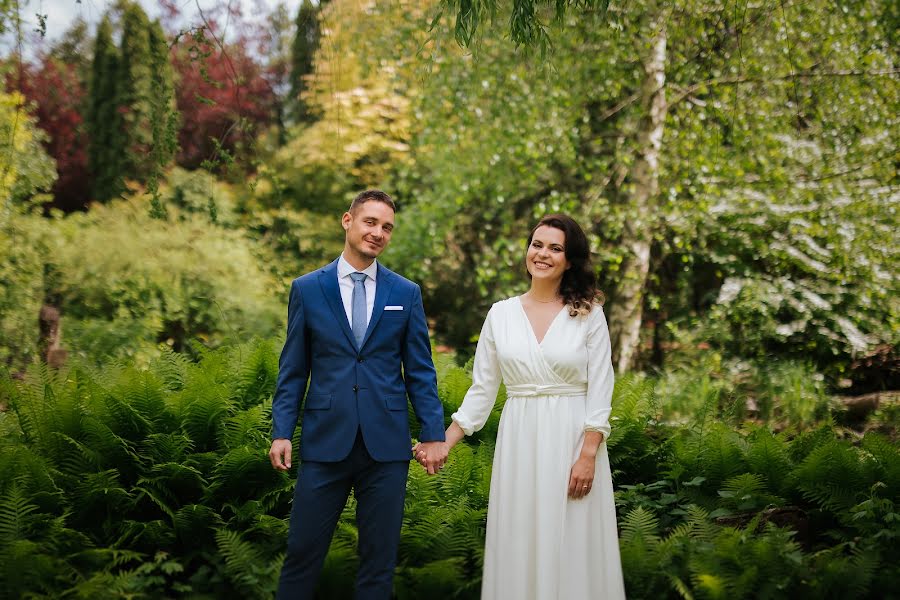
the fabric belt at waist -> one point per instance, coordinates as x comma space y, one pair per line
528, 390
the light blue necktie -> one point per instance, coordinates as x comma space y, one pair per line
358, 307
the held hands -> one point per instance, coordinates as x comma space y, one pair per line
431, 455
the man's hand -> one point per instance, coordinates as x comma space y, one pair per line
431, 455
280, 454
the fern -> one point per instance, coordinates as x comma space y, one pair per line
255, 379
247, 427
171, 368
701, 528
832, 476
444, 578
203, 410
640, 525
634, 398
452, 387
144, 392
885, 462
166, 447
15, 509
252, 574
241, 473
456, 477
195, 524
746, 491
768, 456
721, 454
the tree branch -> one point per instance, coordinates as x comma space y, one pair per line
743, 79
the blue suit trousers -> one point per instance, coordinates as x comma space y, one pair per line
319, 498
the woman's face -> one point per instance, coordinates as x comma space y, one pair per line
546, 256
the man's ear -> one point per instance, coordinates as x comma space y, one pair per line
345, 220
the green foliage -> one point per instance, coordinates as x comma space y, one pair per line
136, 488
154, 482
527, 18
303, 49
103, 119
207, 285
25, 168
25, 171
771, 183
130, 116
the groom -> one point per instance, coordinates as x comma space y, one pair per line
357, 334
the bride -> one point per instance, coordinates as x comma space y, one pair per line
551, 526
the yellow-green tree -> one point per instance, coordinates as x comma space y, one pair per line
25, 171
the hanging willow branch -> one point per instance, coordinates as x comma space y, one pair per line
525, 25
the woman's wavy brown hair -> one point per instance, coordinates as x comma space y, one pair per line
578, 287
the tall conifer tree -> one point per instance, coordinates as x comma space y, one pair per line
135, 88
103, 120
306, 41
163, 115
131, 116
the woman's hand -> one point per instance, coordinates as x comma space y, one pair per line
581, 478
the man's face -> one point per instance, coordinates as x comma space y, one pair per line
368, 229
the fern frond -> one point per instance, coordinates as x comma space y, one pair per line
681, 587
171, 368
143, 392
641, 524
702, 528
885, 458
256, 376
634, 398
253, 574
241, 474
768, 456
437, 579
247, 427
456, 477
452, 388
832, 475
15, 508
721, 454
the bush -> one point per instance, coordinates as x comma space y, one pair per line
124, 482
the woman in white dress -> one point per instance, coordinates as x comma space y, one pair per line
551, 526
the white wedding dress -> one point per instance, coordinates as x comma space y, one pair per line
540, 544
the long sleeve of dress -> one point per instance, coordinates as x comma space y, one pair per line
599, 374
480, 399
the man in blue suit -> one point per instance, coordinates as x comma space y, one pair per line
357, 335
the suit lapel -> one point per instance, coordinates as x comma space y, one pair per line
383, 286
332, 292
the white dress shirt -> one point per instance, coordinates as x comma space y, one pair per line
346, 284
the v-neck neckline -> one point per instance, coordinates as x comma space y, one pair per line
540, 342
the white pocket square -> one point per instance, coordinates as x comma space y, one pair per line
393, 308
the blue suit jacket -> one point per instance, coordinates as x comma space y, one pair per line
354, 388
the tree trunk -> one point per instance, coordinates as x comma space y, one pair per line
50, 342
626, 308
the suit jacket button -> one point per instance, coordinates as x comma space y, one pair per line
355, 388
359, 359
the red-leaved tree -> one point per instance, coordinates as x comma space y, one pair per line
57, 95
223, 98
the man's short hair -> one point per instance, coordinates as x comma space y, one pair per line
371, 195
